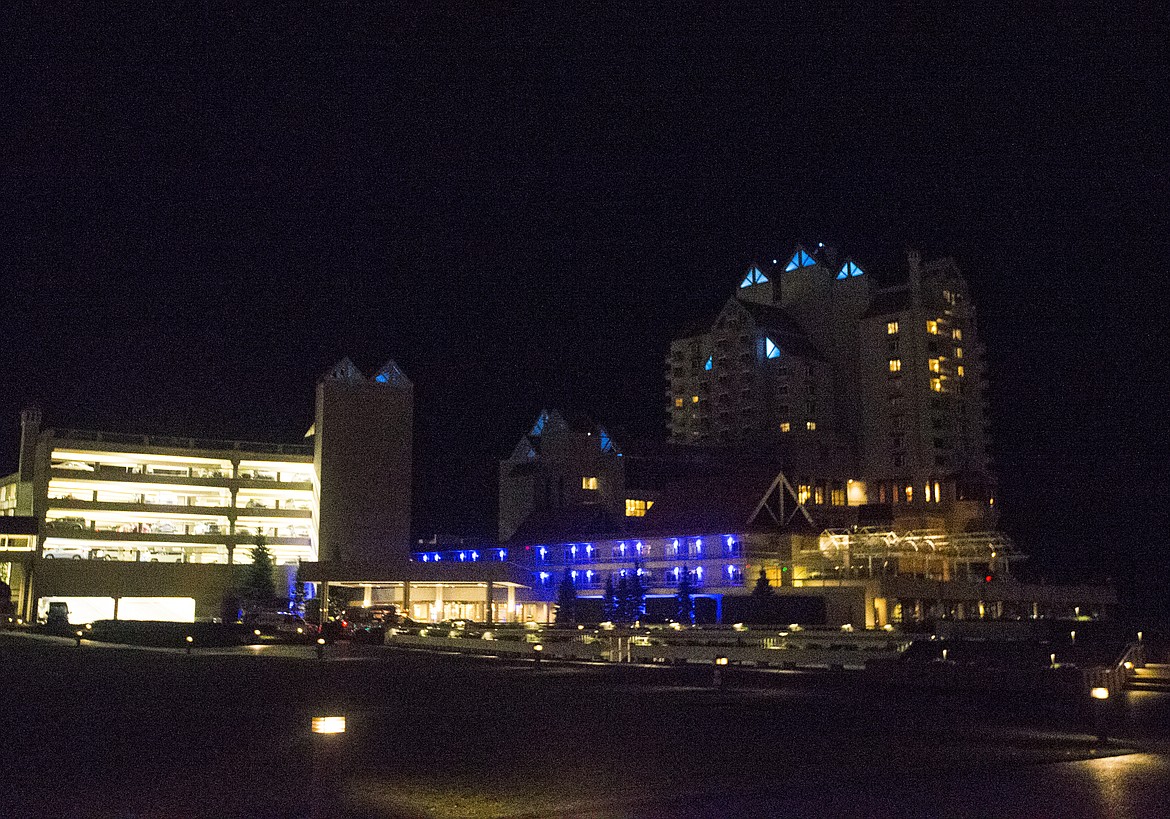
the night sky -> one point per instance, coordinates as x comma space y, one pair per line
204, 206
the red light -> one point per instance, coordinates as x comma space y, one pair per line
987, 579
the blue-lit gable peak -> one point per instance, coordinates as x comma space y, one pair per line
710, 363
848, 270
390, 375
345, 370
771, 349
540, 424
800, 259
605, 442
754, 276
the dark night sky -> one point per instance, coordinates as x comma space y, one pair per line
204, 206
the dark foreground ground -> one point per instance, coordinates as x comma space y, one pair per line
99, 732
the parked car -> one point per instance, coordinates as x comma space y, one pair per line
162, 556
282, 623
65, 553
66, 524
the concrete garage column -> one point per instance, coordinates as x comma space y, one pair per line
367, 595
406, 610
437, 612
510, 616
488, 603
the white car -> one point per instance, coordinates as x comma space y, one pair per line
162, 557
65, 553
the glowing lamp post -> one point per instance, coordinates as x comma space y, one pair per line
320, 648
327, 733
80, 634
190, 642
537, 650
717, 676
1100, 697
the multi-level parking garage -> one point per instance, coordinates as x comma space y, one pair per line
138, 498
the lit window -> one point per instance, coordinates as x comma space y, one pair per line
926, 492
810, 425
909, 494
801, 259
932, 327
895, 365
957, 334
935, 366
589, 483
958, 352
937, 496
819, 494
754, 276
803, 493
936, 384
637, 508
891, 327
694, 399
770, 349
710, 363
960, 371
849, 269
785, 426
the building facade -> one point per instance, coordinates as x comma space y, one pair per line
159, 524
814, 350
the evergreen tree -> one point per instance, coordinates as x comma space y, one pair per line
297, 603
763, 589
637, 595
685, 598
260, 582
621, 602
566, 600
610, 601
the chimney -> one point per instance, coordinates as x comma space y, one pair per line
30, 430
914, 258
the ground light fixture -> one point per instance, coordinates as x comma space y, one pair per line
190, 640
1100, 695
80, 634
328, 725
320, 648
717, 674
327, 732
536, 652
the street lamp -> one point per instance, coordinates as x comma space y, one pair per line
717, 675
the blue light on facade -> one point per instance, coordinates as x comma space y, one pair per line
849, 269
754, 276
710, 363
800, 259
771, 350
503, 553
543, 553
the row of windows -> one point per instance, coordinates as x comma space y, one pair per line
897, 493
932, 327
